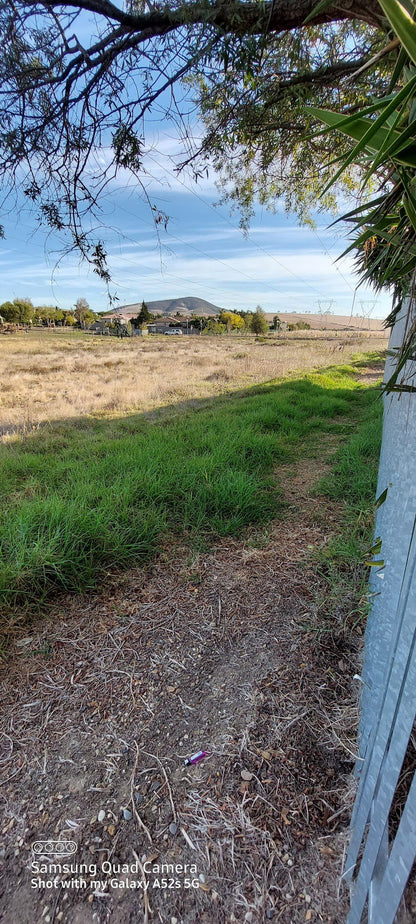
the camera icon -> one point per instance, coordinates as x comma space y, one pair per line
54, 848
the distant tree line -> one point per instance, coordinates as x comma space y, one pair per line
22, 311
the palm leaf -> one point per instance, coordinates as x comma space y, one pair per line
403, 25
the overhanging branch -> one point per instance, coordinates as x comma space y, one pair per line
234, 17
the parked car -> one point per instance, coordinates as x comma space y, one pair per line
174, 330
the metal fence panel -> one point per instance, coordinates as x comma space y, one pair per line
388, 705
399, 864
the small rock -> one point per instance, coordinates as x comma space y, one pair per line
246, 775
127, 814
173, 827
269, 914
173, 921
138, 798
201, 877
59, 916
155, 785
101, 815
111, 830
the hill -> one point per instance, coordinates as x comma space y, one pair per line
190, 304
174, 306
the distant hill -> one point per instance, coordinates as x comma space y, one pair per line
329, 321
186, 306
190, 304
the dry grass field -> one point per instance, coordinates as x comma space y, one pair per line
53, 374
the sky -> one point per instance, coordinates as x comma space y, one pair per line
280, 266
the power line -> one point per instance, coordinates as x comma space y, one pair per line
209, 256
227, 220
204, 253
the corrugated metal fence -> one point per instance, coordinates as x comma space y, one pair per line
379, 861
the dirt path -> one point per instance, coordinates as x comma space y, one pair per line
104, 701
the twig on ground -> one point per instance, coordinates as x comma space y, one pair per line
166, 780
140, 822
147, 908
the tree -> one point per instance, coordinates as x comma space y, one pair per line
121, 328
197, 322
384, 145
213, 326
46, 315
251, 67
232, 320
143, 317
20, 311
83, 313
259, 323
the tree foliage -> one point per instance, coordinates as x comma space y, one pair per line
83, 313
75, 112
19, 311
259, 323
143, 316
384, 144
232, 320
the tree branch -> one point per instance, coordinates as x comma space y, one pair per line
235, 17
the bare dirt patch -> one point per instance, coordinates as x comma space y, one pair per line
106, 698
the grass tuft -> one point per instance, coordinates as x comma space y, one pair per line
78, 501
352, 482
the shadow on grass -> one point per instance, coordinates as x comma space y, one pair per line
82, 498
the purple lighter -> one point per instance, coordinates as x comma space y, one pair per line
194, 758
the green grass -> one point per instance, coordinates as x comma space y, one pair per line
81, 499
352, 482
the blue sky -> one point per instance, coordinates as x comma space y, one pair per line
279, 265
